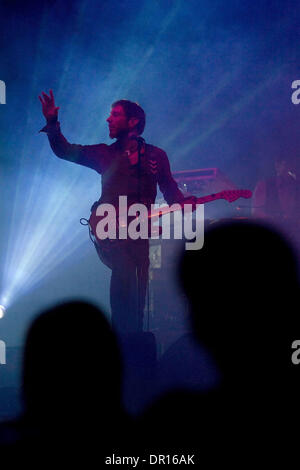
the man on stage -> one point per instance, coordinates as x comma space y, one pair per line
132, 168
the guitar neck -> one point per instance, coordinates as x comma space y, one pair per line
199, 200
210, 198
230, 196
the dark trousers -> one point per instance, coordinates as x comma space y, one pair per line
129, 263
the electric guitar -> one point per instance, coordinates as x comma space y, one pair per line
105, 245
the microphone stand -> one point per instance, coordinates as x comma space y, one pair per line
140, 142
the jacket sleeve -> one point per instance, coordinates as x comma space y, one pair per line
92, 156
166, 182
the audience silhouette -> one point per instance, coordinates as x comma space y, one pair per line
72, 376
242, 288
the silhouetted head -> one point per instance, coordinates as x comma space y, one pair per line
72, 366
242, 287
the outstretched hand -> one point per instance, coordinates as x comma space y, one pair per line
50, 111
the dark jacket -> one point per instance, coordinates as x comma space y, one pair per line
119, 177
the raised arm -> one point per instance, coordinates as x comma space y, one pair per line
92, 156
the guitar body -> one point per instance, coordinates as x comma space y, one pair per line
105, 249
106, 246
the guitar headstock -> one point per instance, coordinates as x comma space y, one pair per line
235, 194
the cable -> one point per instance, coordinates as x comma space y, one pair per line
87, 223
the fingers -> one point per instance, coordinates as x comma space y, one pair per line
46, 97
48, 100
51, 97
